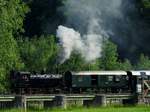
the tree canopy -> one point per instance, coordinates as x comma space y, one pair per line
12, 13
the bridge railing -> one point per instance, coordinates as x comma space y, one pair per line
61, 100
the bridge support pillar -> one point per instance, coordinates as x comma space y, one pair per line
131, 101
99, 100
60, 101
20, 102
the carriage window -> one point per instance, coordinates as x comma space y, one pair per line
117, 78
80, 79
110, 78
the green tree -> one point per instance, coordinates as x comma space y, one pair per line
3, 80
74, 63
37, 53
109, 56
144, 63
9, 55
110, 60
126, 65
12, 13
77, 63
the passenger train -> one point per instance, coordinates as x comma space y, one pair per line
81, 82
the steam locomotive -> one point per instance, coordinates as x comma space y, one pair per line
80, 82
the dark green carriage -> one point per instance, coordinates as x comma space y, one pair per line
100, 80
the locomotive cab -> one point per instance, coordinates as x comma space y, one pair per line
19, 80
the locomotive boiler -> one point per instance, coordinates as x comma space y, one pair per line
35, 83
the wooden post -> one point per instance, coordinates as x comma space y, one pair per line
60, 101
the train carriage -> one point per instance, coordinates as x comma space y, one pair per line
106, 81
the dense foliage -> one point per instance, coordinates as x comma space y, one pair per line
36, 53
12, 13
25, 44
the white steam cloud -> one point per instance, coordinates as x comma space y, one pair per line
89, 46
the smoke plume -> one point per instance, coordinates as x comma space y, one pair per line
89, 46
89, 21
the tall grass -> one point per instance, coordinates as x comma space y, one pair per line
90, 109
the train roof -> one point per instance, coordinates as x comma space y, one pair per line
140, 72
100, 73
